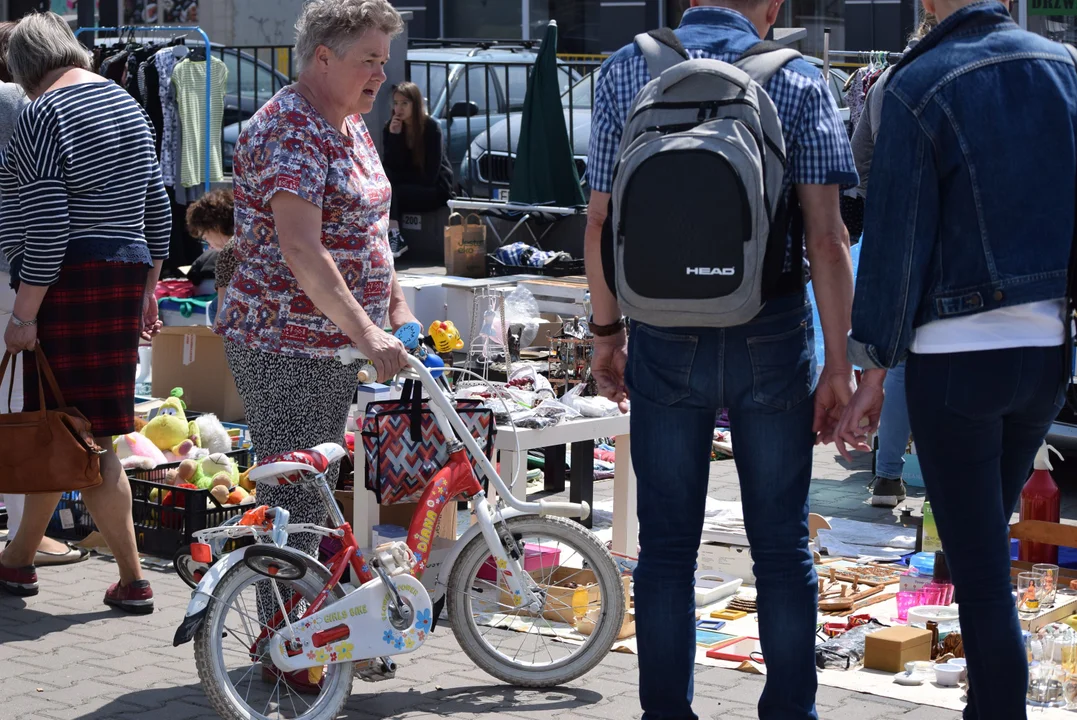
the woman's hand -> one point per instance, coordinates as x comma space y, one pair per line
17, 339
151, 324
384, 351
396, 125
861, 416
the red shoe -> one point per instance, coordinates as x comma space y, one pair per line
19, 581
299, 680
136, 597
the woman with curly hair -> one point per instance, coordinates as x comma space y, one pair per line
211, 218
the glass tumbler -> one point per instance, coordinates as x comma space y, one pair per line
1050, 582
1030, 588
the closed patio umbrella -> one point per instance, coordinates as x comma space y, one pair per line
545, 170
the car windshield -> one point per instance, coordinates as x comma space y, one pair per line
582, 93
430, 78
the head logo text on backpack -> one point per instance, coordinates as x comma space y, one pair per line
699, 222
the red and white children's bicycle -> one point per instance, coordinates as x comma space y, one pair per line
533, 598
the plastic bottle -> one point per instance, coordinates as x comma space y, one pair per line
931, 541
1040, 500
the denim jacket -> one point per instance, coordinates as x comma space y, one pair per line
971, 201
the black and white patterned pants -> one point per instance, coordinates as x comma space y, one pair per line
292, 404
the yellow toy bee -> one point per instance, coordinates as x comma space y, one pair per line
445, 336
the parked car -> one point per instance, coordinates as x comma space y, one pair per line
486, 170
469, 89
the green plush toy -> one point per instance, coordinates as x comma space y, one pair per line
212, 467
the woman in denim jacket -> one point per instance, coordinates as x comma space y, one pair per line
971, 220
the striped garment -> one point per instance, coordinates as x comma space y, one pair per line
80, 182
189, 81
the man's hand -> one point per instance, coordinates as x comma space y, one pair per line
835, 390
608, 368
861, 416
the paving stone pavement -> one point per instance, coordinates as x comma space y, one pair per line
66, 656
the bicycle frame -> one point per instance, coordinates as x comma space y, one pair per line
457, 478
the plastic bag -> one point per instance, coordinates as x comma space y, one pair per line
846, 651
524, 376
593, 407
522, 315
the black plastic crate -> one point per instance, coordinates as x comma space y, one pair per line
558, 268
160, 530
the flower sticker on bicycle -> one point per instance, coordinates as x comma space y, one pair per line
399, 643
423, 619
502, 563
321, 656
409, 641
345, 650
388, 637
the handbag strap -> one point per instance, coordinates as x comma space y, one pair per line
44, 374
413, 391
8, 357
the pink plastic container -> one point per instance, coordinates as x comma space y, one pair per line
908, 600
536, 557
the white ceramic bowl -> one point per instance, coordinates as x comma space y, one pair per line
937, 613
963, 664
948, 675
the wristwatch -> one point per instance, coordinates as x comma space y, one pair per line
605, 330
22, 323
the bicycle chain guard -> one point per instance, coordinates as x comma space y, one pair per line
356, 627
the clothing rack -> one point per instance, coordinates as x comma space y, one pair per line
209, 70
865, 55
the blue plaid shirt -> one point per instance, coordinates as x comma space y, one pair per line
816, 143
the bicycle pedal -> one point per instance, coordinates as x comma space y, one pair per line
375, 670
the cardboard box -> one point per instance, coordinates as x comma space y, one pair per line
193, 358
586, 624
536, 557
890, 648
730, 558
563, 603
400, 514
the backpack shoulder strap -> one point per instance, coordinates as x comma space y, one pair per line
662, 49
764, 59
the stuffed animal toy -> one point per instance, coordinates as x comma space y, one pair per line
245, 481
212, 467
170, 431
185, 473
445, 336
212, 435
137, 452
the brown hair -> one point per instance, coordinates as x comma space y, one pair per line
6, 29
416, 125
214, 211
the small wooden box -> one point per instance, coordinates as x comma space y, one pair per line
889, 649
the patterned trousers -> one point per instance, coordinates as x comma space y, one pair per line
292, 404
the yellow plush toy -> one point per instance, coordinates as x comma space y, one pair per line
445, 336
169, 430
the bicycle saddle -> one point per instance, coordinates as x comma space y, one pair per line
296, 466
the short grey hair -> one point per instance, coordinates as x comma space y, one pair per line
339, 23
41, 43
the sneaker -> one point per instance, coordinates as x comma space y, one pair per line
301, 680
19, 581
887, 492
137, 597
397, 244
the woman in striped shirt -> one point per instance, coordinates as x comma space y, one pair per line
85, 223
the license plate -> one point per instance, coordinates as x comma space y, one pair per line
502, 195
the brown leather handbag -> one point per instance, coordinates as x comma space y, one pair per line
46, 450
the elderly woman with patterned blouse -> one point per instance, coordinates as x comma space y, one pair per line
315, 271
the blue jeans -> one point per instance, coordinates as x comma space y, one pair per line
678, 378
893, 427
979, 419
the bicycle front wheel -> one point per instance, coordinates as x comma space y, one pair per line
234, 665
577, 625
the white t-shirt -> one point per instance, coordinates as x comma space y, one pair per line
1038, 324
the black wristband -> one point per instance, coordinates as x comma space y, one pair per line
606, 330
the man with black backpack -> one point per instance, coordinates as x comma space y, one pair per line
708, 183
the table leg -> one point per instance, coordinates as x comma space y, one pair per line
625, 522
555, 469
365, 511
514, 473
583, 477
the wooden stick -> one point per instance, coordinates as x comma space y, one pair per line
864, 603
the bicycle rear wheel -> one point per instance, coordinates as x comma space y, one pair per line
584, 591
237, 674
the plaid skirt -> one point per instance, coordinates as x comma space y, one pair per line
89, 328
